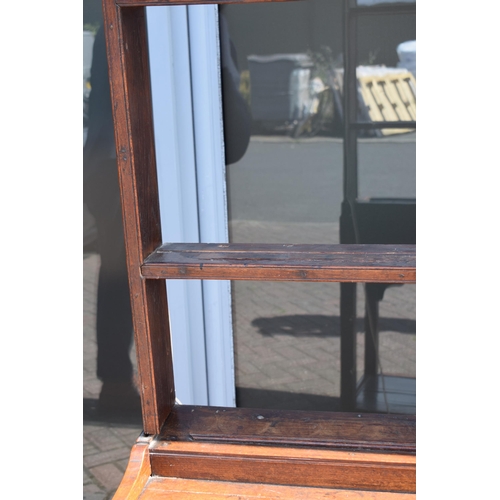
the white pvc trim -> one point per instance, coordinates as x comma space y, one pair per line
173, 123
211, 177
187, 112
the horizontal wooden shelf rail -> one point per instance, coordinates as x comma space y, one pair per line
321, 449
283, 262
365, 432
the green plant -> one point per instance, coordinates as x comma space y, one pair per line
92, 27
324, 62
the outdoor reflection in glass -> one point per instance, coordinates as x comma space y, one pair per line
287, 186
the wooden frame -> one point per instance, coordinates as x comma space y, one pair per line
335, 451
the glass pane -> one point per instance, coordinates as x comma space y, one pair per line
368, 3
111, 406
282, 78
386, 73
387, 166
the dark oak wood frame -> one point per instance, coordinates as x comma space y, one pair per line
336, 451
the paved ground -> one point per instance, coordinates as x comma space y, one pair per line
106, 443
286, 343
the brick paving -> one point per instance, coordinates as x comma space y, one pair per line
286, 339
287, 335
106, 443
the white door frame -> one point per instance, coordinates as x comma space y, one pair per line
187, 112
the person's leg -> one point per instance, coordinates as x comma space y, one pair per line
114, 317
114, 331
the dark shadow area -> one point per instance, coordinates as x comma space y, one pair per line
320, 325
245, 398
92, 415
282, 400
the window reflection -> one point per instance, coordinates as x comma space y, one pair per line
288, 187
284, 125
110, 390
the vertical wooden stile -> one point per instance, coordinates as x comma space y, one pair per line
132, 112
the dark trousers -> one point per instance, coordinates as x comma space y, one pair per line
114, 316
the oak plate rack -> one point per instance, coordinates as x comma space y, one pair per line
214, 452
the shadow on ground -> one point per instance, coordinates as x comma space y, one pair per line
281, 400
320, 325
245, 398
92, 415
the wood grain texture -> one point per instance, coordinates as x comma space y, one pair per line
137, 473
278, 262
321, 449
191, 468
160, 488
319, 430
285, 465
132, 114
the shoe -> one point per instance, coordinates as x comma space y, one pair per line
119, 397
